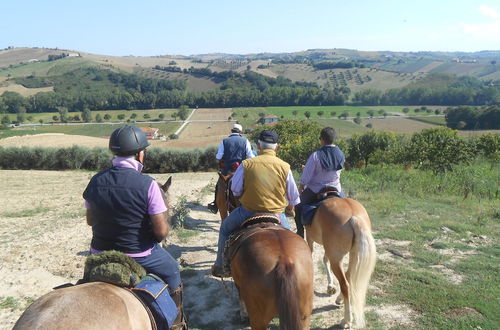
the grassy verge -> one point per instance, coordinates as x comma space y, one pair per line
449, 273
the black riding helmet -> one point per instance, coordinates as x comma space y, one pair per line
127, 141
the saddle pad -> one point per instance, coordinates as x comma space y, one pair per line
307, 211
156, 296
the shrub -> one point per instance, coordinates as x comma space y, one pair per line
363, 147
297, 140
438, 149
180, 212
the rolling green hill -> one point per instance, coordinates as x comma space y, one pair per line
378, 70
313, 77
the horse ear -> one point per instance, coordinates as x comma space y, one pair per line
167, 184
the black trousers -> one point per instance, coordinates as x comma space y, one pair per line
306, 197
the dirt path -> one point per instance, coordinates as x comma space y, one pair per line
44, 241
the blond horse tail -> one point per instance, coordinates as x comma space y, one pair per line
361, 264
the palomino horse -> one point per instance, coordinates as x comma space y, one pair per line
89, 306
224, 199
273, 272
343, 226
95, 305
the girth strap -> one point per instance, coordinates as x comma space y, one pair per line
150, 314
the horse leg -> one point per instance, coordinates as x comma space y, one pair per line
258, 318
336, 265
310, 242
330, 289
220, 198
344, 289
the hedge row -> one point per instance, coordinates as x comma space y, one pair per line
157, 160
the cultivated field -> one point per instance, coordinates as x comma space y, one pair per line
212, 114
206, 129
53, 140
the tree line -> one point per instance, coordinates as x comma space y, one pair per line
469, 118
439, 150
435, 89
98, 89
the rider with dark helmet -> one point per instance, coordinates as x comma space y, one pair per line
126, 211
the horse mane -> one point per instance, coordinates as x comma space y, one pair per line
286, 289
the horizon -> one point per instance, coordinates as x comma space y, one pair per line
249, 54
159, 28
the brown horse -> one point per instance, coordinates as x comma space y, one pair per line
224, 199
343, 226
94, 305
273, 272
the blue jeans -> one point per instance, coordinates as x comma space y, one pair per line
233, 222
161, 263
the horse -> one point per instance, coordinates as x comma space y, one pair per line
273, 272
224, 198
343, 226
95, 305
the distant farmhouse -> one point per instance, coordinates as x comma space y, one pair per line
268, 119
151, 133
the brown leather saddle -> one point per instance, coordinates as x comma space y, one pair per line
251, 226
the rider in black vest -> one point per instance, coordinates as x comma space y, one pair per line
126, 211
232, 151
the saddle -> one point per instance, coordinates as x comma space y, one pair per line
251, 226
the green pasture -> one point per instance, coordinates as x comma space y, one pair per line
449, 242
327, 111
47, 117
44, 68
95, 130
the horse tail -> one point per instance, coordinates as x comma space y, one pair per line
286, 286
361, 265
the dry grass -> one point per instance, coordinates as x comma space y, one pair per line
206, 129
397, 125
212, 114
23, 90
53, 140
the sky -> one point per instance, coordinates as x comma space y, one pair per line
190, 27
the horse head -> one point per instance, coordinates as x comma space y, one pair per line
165, 194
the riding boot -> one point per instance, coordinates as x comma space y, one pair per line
298, 221
180, 322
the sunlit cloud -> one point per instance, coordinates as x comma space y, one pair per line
488, 11
483, 29
486, 29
